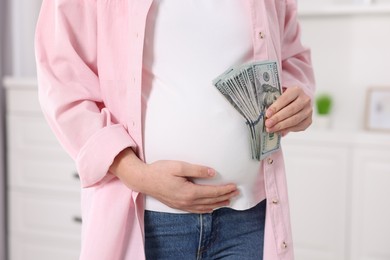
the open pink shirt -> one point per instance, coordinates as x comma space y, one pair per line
89, 61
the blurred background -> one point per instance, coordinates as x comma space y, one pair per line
338, 171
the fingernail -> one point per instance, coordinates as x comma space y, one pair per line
211, 172
269, 113
269, 122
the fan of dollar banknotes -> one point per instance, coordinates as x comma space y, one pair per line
251, 89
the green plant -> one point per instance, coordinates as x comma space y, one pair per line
324, 104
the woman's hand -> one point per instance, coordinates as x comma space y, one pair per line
291, 112
171, 183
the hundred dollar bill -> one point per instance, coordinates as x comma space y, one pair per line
236, 82
255, 129
267, 80
246, 79
235, 85
220, 84
229, 84
232, 95
251, 89
226, 90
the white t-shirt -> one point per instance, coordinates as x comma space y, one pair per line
188, 43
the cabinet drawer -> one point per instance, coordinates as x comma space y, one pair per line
32, 133
35, 158
43, 248
22, 97
35, 172
55, 214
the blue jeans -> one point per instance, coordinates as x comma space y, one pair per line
223, 234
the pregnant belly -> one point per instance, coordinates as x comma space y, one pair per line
214, 138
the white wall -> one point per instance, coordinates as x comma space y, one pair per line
350, 53
24, 17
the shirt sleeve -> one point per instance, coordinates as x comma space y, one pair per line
69, 91
296, 59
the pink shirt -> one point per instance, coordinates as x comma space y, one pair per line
89, 61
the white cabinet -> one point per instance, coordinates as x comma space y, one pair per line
42, 184
339, 195
317, 179
370, 238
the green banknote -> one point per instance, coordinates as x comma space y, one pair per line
251, 89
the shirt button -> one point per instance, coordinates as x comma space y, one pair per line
270, 161
284, 245
261, 35
275, 201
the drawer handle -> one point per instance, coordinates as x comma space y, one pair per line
77, 219
76, 175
